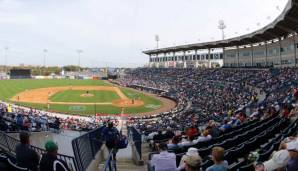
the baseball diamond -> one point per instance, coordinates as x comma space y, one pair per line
81, 97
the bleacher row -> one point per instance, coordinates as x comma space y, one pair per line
239, 141
8, 163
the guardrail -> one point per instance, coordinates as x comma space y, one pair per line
9, 143
86, 146
136, 137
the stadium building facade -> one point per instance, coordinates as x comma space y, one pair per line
275, 45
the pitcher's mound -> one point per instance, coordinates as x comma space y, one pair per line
127, 103
87, 95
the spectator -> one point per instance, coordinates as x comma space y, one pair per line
49, 161
111, 135
164, 161
159, 136
279, 160
174, 143
169, 133
218, 158
25, 156
292, 148
190, 141
192, 131
193, 163
204, 137
191, 152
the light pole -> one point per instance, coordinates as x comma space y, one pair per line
5, 57
222, 26
157, 40
44, 57
45, 51
79, 51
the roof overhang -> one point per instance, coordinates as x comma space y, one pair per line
285, 24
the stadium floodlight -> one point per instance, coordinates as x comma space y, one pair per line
6, 48
79, 51
222, 26
277, 8
44, 56
157, 40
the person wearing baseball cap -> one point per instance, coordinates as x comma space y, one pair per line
49, 161
192, 162
190, 152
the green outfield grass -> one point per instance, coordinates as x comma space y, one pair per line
9, 88
75, 96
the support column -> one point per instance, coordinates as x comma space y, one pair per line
150, 61
280, 58
165, 60
252, 55
158, 61
196, 55
223, 57
174, 61
238, 54
209, 60
266, 54
295, 51
183, 60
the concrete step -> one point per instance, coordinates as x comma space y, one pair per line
127, 165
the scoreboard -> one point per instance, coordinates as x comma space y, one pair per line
20, 73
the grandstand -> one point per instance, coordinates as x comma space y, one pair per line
231, 105
275, 45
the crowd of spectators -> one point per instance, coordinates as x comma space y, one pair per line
220, 99
14, 118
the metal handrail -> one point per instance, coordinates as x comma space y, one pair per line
108, 165
86, 146
9, 143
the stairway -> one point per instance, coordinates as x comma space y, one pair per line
124, 156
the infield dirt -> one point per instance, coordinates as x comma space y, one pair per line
42, 95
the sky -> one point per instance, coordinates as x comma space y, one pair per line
115, 32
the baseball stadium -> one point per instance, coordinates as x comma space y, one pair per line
215, 105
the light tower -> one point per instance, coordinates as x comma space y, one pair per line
44, 57
79, 51
222, 26
157, 40
5, 57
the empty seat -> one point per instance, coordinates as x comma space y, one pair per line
265, 156
204, 152
206, 164
235, 166
14, 167
249, 167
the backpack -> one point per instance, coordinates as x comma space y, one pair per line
121, 142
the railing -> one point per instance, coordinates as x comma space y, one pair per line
86, 146
9, 143
110, 164
136, 137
